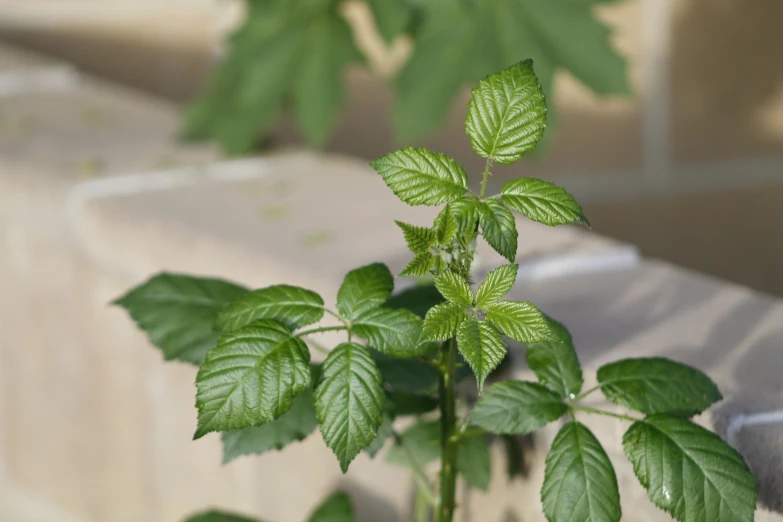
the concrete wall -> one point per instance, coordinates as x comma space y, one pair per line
703, 134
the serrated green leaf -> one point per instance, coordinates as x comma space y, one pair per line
177, 312
420, 265
336, 508
385, 430
294, 425
580, 484
391, 17
421, 177
294, 306
406, 375
657, 385
442, 322
412, 404
516, 408
556, 364
218, 516
445, 226
421, 445
454, 288
480, 343
465, 212
689, 472
419, 239
520, 321
497, 284
418, 299
474, 462
499, 228
349, 401
391, 331
319, 88
543, 201
363, 289
250, 378
507, 114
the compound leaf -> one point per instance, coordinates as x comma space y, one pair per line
251, 377
499, 228
419, 239
391, 331
657, 385
516, 408
442, 322
542, 201
555, 363
481, 345
580, 484
177, 312
507, 114
497, 284
689, 472
421, 177
349, 401
522, 322
294, 425
363, 289
294, 306
454, 288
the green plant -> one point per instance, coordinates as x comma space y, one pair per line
257, 386
291, 55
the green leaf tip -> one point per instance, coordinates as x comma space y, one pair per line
422, 177
507, 114
543, 202
481, 345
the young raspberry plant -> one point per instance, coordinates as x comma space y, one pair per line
404, 354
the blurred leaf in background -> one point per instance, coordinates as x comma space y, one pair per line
290, 55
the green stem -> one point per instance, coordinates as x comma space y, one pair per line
605, 413
485, 177
448, 422
321, 329
336, 316
468, 433
588, 392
